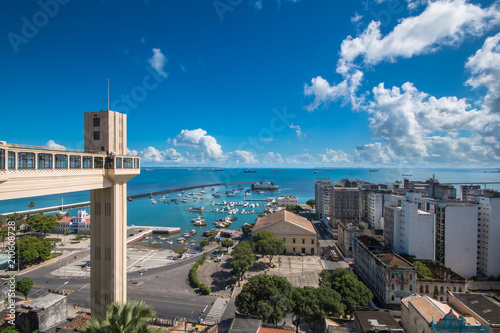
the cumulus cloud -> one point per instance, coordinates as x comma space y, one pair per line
444, 22
272, 158
199, 140
301, 159
155, 156
485, 70
157, 61
242, 157
374, 153
52, 144
335, 156
131, 152
298, 131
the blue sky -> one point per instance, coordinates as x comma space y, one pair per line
260, 83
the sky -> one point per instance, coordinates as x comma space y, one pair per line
260, 83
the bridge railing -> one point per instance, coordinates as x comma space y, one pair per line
25, 157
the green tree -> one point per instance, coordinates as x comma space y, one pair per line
43, 223
247, 228
423, 272
10, 329
294, 209
227, 243
266, 296
24, 286
204, 242
17, 219
205, 290
131, 317
181, 250
271, 246
311, 203
353, 292
4, 232
31, 205
33, 248
243, 259
298, 307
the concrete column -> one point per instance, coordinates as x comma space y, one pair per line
108, 278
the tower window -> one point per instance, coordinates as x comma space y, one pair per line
97, 122
97, 135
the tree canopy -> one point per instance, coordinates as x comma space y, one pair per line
266, 296
24, 286
227, 243
423, 272
33, 248
243, 259
295, 209
353, 292
268, 244
247, 228
42, 223
311, 203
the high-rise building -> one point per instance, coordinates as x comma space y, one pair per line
456, 235
322, 198
345, 205
416, 230
488, 238
470, 192
373, 207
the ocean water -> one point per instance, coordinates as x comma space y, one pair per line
296, 182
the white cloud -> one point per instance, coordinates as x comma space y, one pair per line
242, 157
485, 69
272, 158
443, 22
301, 159
335, 156
356, 18
157, 61
298, 131
52, 144
374, 153
199, 140
155, 156
131, 152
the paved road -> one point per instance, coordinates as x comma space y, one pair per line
165, 288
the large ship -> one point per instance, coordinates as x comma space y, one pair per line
264, 185
250, 171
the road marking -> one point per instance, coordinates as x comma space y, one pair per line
159, 300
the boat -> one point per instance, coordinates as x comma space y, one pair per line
153, 201
193, 232
129, 199
405, 175
181, 240
264, 185
260, 192
199, 223
217, 169
229, 194
195, 209
349, 174
373, 170
170, 242
250, 171
316, 171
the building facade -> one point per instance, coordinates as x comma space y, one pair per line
76, 224
297, 232
416, 231
484, 308
346, 232
322, 189
488, 237
456, 235
392, 222
373, 207
288, 200
345, 205
470, 192
389, 277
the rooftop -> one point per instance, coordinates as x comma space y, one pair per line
283, 215
376, 320
44, 301
485, 306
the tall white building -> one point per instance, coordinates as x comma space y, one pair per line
416, 231
488, 238
322, 188
373, 207
456, 235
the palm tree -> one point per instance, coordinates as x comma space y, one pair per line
132, 317
31, 205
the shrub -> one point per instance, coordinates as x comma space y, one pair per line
205, 290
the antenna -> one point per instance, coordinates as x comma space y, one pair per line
108, 94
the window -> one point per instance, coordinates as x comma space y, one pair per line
303, 241
411, 276
75, 162
108, 163
312, 241
97, 135
97, 122
98, 163
87, 162
392, 286
118, 162
136, 163
26, 160
61, 161
303, 250
44, 161
2, 159
293, 249
127, 163
293, 240
12, 160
